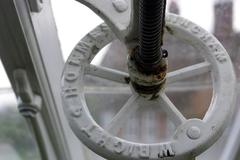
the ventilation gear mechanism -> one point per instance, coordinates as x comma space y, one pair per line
139, 25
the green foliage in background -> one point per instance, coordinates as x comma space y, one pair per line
14, 131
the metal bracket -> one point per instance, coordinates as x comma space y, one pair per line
36, 5
120, 15
29, 104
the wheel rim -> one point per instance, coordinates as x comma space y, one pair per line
192, 136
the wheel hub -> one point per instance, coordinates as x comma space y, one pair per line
147, 85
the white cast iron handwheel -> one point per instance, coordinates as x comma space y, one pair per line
192, 136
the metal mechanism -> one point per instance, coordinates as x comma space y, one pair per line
26, 41
29, 106
192, 136
147, 65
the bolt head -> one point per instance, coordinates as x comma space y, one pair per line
120, 5
77, 112
194, 132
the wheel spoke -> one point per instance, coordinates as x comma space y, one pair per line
107, 90
107, 73
123, 115
171, 110
188, 72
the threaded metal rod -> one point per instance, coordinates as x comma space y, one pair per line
151, 22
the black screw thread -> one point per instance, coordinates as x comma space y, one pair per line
151, 22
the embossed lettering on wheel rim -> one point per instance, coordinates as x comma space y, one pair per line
192, 137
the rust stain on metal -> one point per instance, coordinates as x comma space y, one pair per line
169, 30
127, 80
